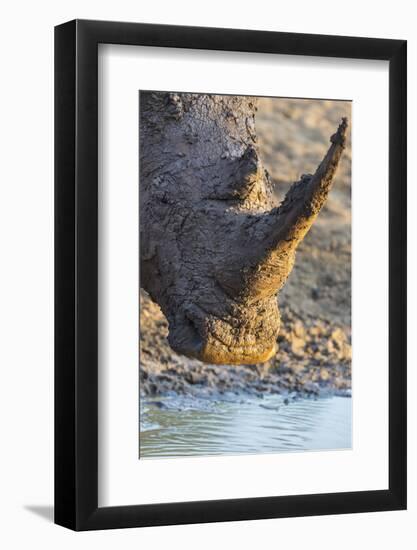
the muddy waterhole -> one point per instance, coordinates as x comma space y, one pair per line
177, 426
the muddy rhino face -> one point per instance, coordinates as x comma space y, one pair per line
215, 250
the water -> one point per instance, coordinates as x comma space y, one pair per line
187, 426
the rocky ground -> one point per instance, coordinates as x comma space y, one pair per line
314, 355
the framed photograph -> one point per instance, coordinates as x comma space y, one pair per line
230, 252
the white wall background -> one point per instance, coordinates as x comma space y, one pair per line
26, 286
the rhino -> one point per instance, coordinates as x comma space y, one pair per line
215, 247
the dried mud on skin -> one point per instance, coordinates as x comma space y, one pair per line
314, 344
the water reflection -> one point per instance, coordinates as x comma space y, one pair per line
183, 426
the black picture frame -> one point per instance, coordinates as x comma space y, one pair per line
76, 271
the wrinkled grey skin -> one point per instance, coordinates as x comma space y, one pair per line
215, 249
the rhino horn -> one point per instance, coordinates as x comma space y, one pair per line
284, 227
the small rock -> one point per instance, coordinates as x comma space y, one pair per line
324, 374
297, 346
299, 330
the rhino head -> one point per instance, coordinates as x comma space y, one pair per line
215, 250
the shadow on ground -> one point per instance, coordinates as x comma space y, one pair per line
45, 512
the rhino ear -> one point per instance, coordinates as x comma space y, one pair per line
284, 227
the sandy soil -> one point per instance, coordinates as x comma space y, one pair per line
314, 354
